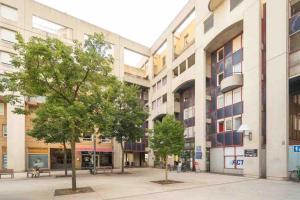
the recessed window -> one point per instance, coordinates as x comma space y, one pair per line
208, 23
164, 98
220, 54
159, 101
237, 95
175, 72
237, 122
153, 105
228, 98
158, 84
228, 124
164, 81
182, 67
220, 78
220, 101
8, 35
8, 12
221, 126
234, 3
191, 60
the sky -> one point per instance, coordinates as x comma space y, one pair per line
139, 20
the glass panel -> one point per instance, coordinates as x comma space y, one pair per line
237, 95
9, 13
237, 138
228, 138
229, 162
238, 108
228, 98
228, 111
220, 113
237, 57
220, 139
38, 160
237, 44
228, 48
295, 23
228, 66
8, 35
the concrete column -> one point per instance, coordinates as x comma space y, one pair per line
151, 156
170, 95
252, 86
277, 89
200, 108
15, 139
117, 154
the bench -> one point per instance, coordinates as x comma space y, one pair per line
104, 169
37, 173
7, 172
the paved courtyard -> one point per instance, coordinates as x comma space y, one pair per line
138, 186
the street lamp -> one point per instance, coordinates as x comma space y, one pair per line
244, 128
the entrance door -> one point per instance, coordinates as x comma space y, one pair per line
208, 159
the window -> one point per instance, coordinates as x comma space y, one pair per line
153, 105
237, 122
164, 98
221, 127
163, 60
8, 35
4, 161
159, 101
295, 7
185, 39
1, 108
154, 88
185, 113
237, 44
158, 84
228, 124
220, 77
191, 60
220, 54
237, 69
208, 23
5, 58
234, 3
234, 157
38, 160
164, 81
182, 67
237, 95
228, 98
4, 130
175, 72
220, 101
8, 12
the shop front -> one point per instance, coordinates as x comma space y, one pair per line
103, 157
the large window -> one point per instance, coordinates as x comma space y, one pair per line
8, 35
234, 158
8, 12
5, 58
38, 160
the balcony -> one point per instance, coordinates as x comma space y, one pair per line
232, 82
213, 4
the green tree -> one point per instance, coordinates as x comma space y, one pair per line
126, 115
70, 77
167, 139
51, 126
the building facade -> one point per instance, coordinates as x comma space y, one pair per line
219, 64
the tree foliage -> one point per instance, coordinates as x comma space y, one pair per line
168, 138
70, 77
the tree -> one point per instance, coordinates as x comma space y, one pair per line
167, 139
126, 115
51, 126
68, 76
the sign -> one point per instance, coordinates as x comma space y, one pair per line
297, 148
233, 162
250, 152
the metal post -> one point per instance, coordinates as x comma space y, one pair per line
94, 138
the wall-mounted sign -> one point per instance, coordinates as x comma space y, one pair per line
250, 152
297, 148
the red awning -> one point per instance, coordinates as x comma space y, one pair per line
92, 149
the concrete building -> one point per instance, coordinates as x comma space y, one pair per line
219, 64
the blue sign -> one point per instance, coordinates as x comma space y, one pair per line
297, 148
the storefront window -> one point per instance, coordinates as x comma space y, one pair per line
38, 160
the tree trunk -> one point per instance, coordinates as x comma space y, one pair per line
166, 168
122, 149
65, 159
73, 145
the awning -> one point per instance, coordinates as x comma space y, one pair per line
92, 149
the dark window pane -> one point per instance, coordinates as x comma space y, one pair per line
228, 66
220, 113
237, 57
220, 139
228, 48
220, 66
208, 23
234, 3
237, 138
238, 108
228, 138
228, 111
